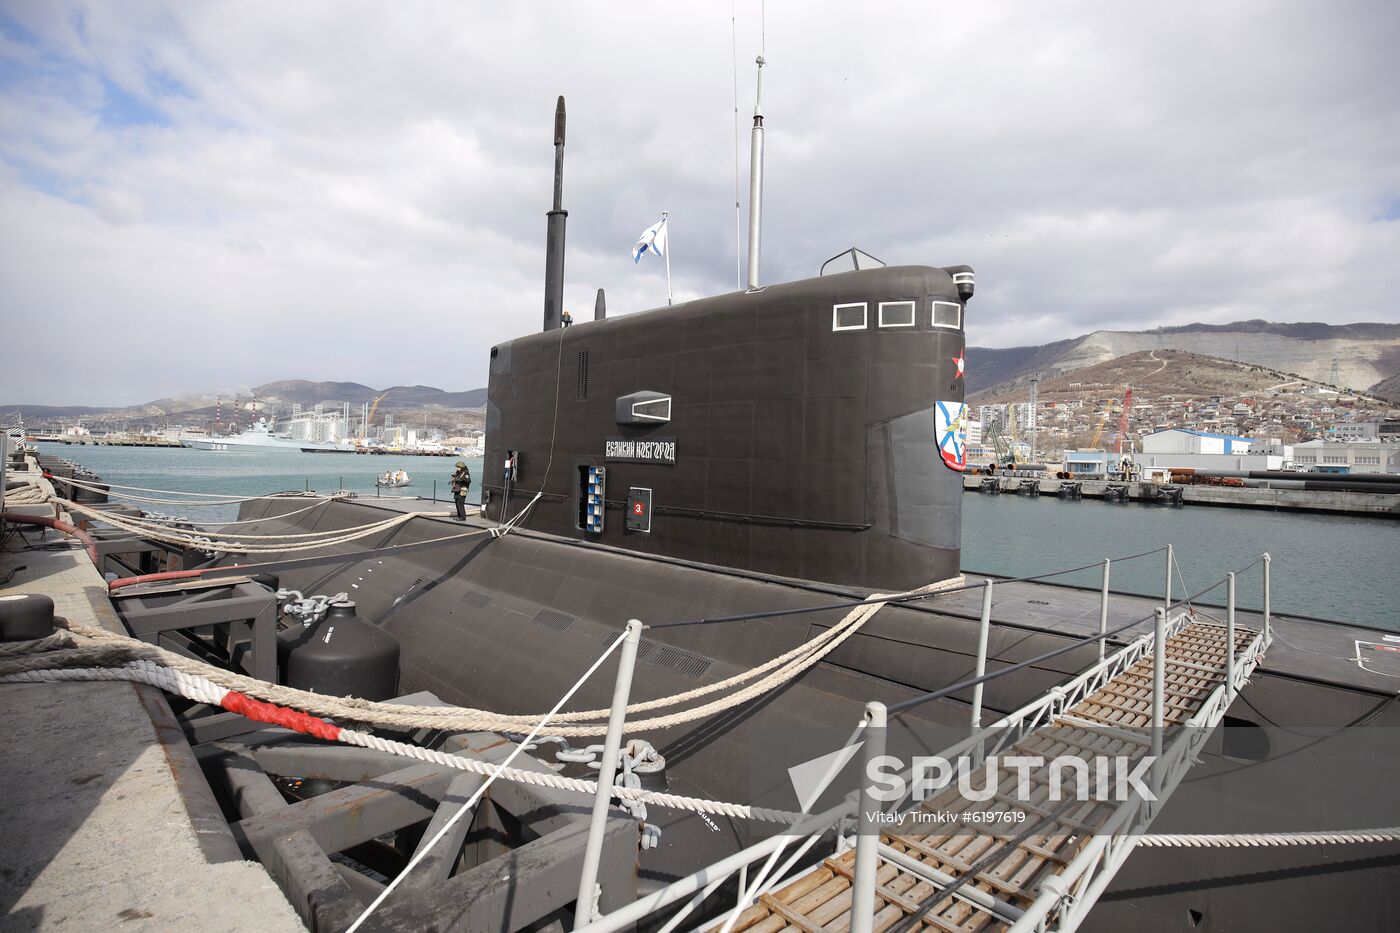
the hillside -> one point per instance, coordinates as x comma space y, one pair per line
1390, 388
1365, 355
12, 413
395, 397
278, 396
1152, 374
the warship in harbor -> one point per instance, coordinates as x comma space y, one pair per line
260, 436
741, 473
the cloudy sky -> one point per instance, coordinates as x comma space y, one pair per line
208, 196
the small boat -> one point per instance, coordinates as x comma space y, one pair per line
393, 478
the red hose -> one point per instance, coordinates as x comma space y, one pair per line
153, 578
56, 525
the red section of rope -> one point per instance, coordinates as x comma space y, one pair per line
245, 705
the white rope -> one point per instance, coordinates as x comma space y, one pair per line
470, 805
247, 521
195, 501
166, 492
1249, 840
201, 690
29, 494
239, 536
500, 531
790, 664
778, 671
240, 544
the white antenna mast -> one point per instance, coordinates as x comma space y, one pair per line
756, 180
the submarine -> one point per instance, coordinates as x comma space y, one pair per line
758, 460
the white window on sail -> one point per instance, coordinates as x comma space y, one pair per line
848, 316
947, 314
896, 314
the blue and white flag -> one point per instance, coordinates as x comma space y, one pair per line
653, 239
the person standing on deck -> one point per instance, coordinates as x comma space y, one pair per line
461, 482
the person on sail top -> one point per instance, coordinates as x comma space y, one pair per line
461, 482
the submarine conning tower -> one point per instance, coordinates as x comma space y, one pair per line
808, 430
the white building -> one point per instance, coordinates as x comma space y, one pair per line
1180, 441
974, 433
1023, 417
991, 415
1367, 431
1240, 461
1347, 457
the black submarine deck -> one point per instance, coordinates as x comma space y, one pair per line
1318, 650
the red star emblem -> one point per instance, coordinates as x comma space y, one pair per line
959, 360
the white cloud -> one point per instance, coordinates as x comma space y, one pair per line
217, 194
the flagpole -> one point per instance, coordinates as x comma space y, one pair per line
667, 257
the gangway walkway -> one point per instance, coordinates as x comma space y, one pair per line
1046, 871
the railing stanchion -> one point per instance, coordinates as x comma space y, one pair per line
1229, 639
586, 910
982, 633
1159, 676
867, 829
1267, 560
1171, 558
1103, 611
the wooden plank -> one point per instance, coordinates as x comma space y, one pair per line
1136, 693
791, 916
882, 890
958, 866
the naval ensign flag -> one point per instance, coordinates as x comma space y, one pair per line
653, 239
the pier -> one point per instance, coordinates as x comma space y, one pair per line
113, 440
1240, 497
108, 820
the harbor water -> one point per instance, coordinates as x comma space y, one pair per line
1325, 566
258, 472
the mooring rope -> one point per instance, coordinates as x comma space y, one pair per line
196, 500
29, 494
240, 543
109, 649
203, 690
1245, 840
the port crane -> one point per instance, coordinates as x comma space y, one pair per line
1098, 431
1123, 420
1124, 407
369, 418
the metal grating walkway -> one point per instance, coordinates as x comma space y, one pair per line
999, 876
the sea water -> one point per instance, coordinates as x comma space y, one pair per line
258, 472
1328, 566
1338, 567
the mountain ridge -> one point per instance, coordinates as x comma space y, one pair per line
282, 392
1366, 355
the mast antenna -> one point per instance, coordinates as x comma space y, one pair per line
554, 231
756, 180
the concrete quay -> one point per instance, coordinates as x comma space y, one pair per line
107, 820
1240, 497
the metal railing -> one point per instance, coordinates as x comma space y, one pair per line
1065, 897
